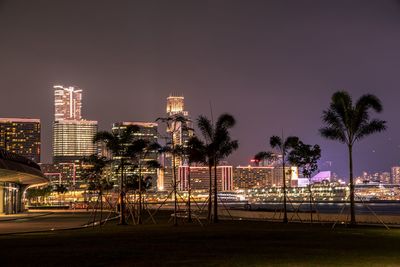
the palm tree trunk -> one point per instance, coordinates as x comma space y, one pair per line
122, 220
209, 192
189, 196
352, 206
174, 178
215, 218
285, 218
310, 193
140, 195
101, 206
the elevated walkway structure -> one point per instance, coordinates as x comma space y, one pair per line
16, 174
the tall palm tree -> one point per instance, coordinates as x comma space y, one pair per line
218, 145
284, 147
118, 143
348, 123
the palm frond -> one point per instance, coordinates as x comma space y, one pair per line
291, 142
225, 121
206, 128
373, 126
275, 142
333, 134
264, 155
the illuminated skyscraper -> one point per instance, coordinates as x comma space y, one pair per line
67, 103
21, 136
73, 140
147, 131
180, 133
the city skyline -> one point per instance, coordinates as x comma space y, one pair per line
248, 60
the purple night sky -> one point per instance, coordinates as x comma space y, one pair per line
272, 64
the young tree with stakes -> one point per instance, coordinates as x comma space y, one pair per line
306, 158
284, 147
217, 145
118, 143
174, 124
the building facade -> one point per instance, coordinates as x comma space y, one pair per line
73, 140
21, 136
199, 178
246, 177
147, 131
180, 132
67, 103
396, 175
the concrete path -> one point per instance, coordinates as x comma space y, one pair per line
42, 221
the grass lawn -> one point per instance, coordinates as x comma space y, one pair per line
229, 243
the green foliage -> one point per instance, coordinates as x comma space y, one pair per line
60, 189
132, 183
305, 157
36, 192
93, 173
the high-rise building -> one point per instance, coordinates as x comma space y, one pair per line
21, 136
248, 177
67, 103
396, 175
180, 132
199, 178
73, 140
147, 131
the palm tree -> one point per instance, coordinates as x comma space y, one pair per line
93, 172
348, 123
175, 124
138, 151
218, 145
118, 143
60, 189
306, 158
284, 148
193, 152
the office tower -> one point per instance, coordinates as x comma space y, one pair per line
73, 140
67, 103
146, 131
21, 136
180, 132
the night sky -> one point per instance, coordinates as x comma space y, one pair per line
272, 64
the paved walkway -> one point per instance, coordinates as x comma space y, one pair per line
42, 221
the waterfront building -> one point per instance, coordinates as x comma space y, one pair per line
21, 136
199, 178
246, 177
396, 175
321, 177
67, 103
73, 140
